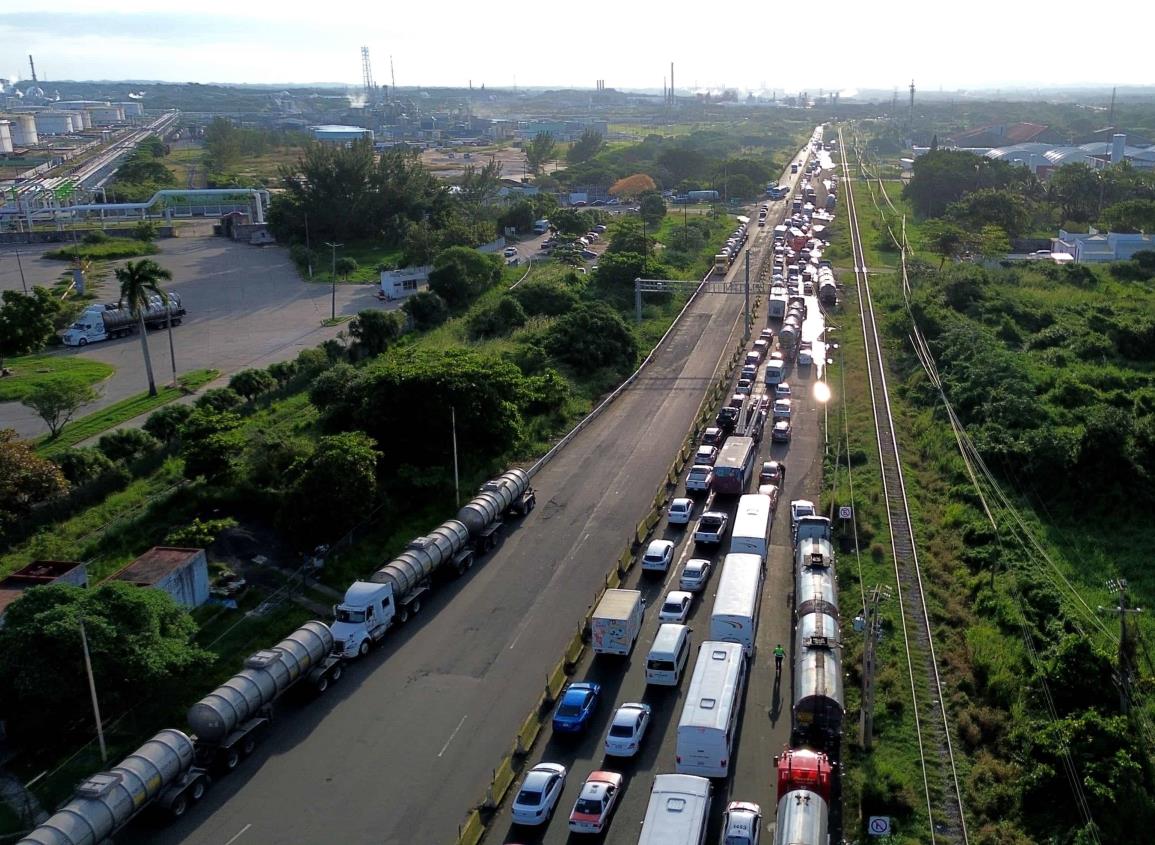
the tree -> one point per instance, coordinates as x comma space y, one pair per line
80, 466
461, 274
569, 221
346, 266
127, 444
165, 423
520, 217
139, 283
943, 176
992, 207
223, 144
210, 442
374, 330
220, 399
145, 230
593, 336
426, 309
539, 151
498, 320
628, 237
614, 279
992, 242
683, 163
945, 240
586, 147
26, 479
1077, 188
56, 402
140, 642
652, 208
480, 187
333, 489
251, 383
27, 321
633, 186
544, 298
1135, 215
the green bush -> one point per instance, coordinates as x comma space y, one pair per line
165, 423
497, 320
199, 534
127, 444
251, 383
220, 399
426, 309
82, 465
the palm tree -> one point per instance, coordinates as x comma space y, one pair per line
138, 284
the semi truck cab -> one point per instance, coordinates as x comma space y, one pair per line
363, 618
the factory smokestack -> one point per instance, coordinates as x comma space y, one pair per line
671, 82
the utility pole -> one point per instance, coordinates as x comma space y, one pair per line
456, 480
871, 629
20, 264
332, 246
746, 328
92, 691
1118, 586
308, 248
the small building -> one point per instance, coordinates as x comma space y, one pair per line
334, 134
40, 573
398, 284
1096, 247
182, 573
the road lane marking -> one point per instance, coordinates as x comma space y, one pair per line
451, 736
239, 834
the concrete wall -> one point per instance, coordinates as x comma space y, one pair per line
188, 585
66, 237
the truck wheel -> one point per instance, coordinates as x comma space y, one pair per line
232, 758
416, 607
198, 790
322, 684
248, 745
363, 649
82, 342
179, 806
335, 675
404, 615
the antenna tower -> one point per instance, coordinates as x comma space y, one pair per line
911, 120
392, 77
367, 76
1110, 119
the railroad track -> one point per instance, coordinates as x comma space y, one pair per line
936, 751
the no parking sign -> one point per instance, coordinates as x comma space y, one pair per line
878, 826
845, 512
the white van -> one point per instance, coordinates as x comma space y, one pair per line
668, 655
678, 812
775, 370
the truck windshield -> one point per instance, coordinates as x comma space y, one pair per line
344, 614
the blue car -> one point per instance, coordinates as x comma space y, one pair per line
578, 703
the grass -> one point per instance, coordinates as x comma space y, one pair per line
32, 371
124, 410
115, 248
368, 256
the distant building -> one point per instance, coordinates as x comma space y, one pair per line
335, 134
1095, 247
398, 284
182, 573
40, 573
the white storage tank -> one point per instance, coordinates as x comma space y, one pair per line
53, 123
5, 136
131, 108
85, 119
107, 115
24, 130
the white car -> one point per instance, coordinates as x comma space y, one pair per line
805, 358
695, 574
627, 729
782, 408
509, 251
705, 456
741, 823
658, 556
676, 607
539, 793
782, 390
680, 511
700, 478
800, 508
745, 386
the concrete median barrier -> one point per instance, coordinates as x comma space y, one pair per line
530, 728
503, 778
576, 646
555, 683
472, 831
626, 561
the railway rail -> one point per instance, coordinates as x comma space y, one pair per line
936, 752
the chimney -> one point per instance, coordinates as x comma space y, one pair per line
1118, 145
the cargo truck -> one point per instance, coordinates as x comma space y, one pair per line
395, 591
104, 322
172, 770
617, 621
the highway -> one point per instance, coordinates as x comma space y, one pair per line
766, 718
404, 745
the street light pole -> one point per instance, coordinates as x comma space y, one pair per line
333, 309
308, 248
456, 481
20, 264
92, 692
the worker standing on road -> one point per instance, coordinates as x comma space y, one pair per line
779, 653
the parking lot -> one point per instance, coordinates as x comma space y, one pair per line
247, 307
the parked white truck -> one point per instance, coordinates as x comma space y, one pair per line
395, 591
104, 322
617, 621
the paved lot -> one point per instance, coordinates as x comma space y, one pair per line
246, 308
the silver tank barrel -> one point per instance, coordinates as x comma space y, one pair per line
494, 499
267, 675
422, 557
107, 800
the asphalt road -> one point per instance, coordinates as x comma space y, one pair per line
765, 720
400, 749
247, 307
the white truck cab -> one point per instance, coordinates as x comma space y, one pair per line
362, 618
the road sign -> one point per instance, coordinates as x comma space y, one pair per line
845, 512
879, 826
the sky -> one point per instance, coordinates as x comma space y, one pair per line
979, 44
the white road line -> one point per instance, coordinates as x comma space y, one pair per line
452, 735
239, 834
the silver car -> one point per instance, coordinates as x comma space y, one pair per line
627, 729
539, 794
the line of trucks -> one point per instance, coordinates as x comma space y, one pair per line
106, 322
174, 769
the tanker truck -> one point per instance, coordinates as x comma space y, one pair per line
170, 772
395, 591
103, 322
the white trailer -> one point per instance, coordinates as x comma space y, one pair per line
734, 618
617, 621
